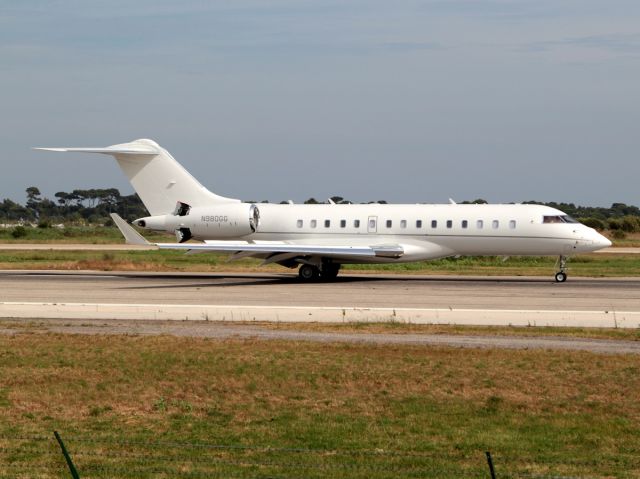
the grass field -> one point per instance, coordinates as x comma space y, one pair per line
178, 407
73, 234
593, 265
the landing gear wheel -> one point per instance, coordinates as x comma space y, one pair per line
308, 272
561, 277
330, 271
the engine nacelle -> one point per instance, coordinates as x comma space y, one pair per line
232, 220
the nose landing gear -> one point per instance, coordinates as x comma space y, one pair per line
561, 276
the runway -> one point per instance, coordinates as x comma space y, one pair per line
579, 302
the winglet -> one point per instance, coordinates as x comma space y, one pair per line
131, 236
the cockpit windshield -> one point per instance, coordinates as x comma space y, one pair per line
559, 219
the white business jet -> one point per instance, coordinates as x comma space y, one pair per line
320, 238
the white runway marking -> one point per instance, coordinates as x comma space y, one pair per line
204, 312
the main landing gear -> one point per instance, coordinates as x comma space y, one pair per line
310, 272
561, 276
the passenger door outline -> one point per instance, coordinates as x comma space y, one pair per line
372, 224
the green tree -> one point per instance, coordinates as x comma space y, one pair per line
34, 200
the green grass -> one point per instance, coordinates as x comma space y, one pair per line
593, 265
72, 234
155, 406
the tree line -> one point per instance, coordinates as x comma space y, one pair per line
93, 206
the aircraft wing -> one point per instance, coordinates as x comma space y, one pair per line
384, 250
265, 249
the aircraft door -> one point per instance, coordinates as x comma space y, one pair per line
372, 224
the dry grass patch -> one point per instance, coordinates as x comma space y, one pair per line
442, 329
538, 411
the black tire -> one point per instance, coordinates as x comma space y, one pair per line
330, 271
308, 272
561, 277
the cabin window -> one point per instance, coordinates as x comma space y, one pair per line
403, 223
465, 223
299, 223
372, 224
343, 223
418, 223
356, 223
327, 223
434, 223
314, 223
449, 224
495, 224
479, 224
512, 224
389, 223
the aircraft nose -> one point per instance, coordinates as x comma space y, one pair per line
599, 241
591, 240
603, 242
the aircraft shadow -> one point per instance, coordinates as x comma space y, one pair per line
222, 281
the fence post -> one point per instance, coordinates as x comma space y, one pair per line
67, 458
491, 469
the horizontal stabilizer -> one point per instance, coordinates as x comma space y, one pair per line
131, 236
110, 150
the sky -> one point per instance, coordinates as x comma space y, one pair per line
405, 101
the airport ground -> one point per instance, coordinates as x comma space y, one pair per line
151, 406
619, 262
210, 399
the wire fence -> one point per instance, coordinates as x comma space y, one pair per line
43, 457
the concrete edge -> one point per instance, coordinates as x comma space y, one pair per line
290, 314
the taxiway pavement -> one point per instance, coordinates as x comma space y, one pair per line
580, 302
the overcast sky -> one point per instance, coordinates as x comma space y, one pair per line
407, 101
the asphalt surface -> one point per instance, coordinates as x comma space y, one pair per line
515, 294
351, 290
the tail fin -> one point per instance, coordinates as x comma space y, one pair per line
159, 180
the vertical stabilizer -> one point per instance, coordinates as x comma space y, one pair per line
156, 176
